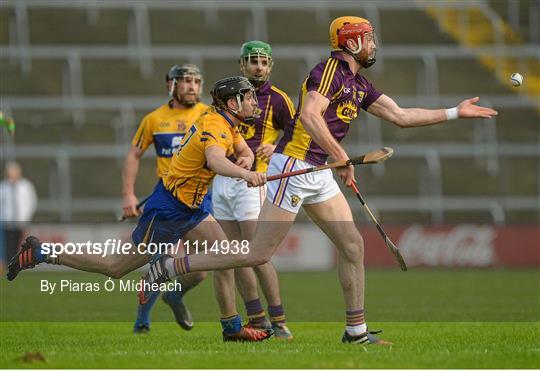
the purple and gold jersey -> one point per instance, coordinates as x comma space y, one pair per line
276, 112
165, 127
346, 92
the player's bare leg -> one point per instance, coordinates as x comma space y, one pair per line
246, 281
267, 238
111, 265
335, 219
247, 286
174, 299
114, 266
224, 288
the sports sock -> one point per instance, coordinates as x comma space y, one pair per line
231, 325
175, 296
255, 313
143, 311
41, 257
177, 266
276, 314
355, 322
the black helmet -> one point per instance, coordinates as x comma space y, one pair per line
178, 72
232, 87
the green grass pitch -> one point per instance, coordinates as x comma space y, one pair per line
436, 319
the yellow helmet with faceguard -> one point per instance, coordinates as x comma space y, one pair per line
358, 29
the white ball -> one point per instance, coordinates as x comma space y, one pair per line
516, 79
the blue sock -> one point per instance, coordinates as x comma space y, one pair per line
143, 312
39, 255
174, 296
231, 325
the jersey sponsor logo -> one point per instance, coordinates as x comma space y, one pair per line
167, 144
175, 142
347, 111
347, 90
246, 131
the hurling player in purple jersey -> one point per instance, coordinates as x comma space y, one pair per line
332, 95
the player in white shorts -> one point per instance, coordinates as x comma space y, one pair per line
291, 193
236, 206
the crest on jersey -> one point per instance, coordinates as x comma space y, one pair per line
295, 200
180, 126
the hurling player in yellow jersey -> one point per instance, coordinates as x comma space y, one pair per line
332, 96
237, 206
164, 128
177, 209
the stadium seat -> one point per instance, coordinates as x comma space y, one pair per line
5, 15
393, 32
193, 28
55, 127
53, 26
44, 78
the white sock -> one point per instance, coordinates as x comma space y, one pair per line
356, 330
169, 267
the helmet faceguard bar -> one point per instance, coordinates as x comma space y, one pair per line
250, 59
358, 29
179, 73
236, 88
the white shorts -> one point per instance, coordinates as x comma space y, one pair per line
232, 199
290, 193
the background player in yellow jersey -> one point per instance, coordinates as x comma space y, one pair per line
164, 128
237, 206
332, 96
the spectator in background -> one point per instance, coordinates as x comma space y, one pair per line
18, 202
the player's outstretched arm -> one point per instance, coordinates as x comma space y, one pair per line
129, 174
216, 160
387, 109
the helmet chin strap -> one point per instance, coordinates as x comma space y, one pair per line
172, 90
356, 55
236, 113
